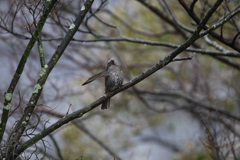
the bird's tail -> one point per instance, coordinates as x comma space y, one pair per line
99, 75
105, 104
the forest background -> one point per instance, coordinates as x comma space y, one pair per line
179, 100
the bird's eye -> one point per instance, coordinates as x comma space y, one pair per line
111, 62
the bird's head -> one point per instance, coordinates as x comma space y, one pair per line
110, 62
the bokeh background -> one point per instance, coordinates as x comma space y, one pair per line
187, 110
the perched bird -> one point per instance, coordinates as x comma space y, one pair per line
113, 79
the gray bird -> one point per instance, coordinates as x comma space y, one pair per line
113, 79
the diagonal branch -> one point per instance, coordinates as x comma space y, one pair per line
225, 41
21, 65
229, 16
144, 75
21, 125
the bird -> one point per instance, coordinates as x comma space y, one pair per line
113, 79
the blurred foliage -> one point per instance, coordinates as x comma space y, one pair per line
202, 77
134, 113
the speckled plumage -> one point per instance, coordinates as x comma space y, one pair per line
113, 79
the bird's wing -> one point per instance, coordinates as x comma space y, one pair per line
99, 75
